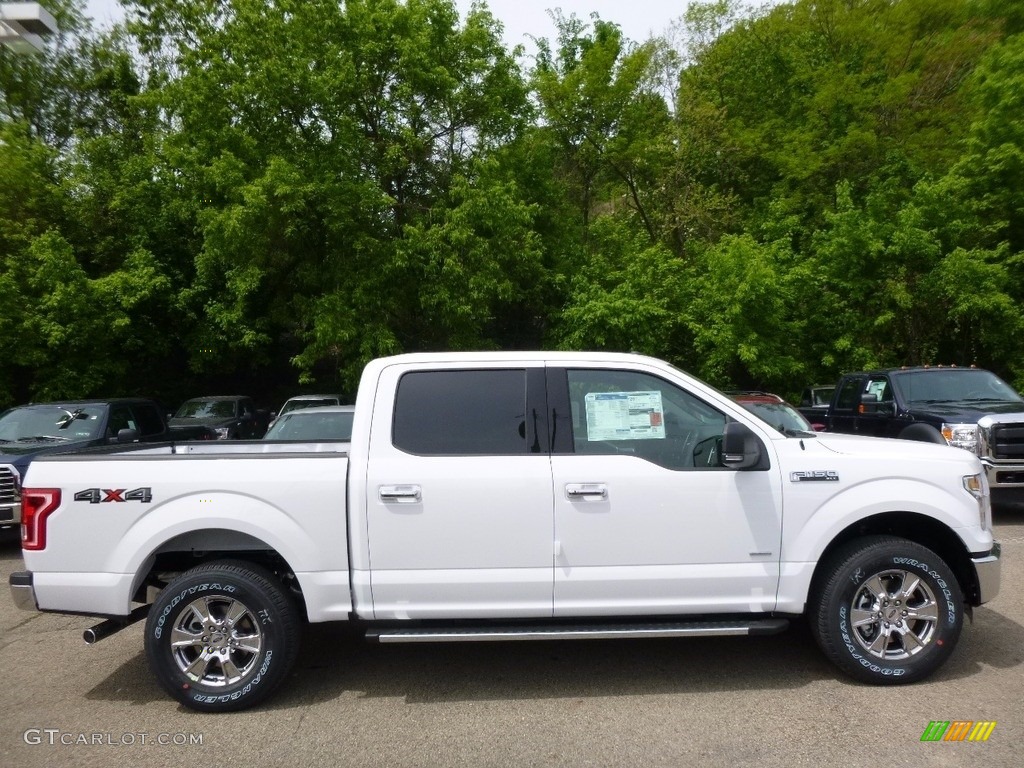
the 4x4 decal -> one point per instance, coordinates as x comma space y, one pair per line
100, 495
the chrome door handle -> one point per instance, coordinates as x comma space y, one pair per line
586, 491
402, 494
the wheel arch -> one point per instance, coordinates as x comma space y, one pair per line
184, 551
921, 529
923, 433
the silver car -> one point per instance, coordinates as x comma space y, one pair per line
331, 422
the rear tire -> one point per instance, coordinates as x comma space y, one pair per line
886, 610
222, 636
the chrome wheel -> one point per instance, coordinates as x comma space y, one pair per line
894, 615
216, 641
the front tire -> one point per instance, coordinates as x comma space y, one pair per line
886, 610
222, 636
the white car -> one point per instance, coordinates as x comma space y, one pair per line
300, 402
331, 422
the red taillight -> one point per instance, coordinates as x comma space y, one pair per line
36, 506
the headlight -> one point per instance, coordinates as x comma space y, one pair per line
977, 486
222, 432
961, 436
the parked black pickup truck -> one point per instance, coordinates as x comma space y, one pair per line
967, 408
231, 417
27, 431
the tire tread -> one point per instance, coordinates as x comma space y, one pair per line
835, 570
288, 626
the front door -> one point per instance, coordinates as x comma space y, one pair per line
646, 520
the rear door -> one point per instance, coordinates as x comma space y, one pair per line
459, 495
646, 520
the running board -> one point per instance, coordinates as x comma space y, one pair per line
578, 631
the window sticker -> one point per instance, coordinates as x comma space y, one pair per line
625, 416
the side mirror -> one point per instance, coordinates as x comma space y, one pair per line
741, 448
127, 435
886, 408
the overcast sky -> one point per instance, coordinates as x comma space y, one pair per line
638, 18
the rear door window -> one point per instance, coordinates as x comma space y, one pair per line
461, 413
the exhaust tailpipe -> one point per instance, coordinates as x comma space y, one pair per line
111, 626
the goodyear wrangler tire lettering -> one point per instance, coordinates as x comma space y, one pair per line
222, 636
886, 610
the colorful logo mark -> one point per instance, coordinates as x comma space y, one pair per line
958, 730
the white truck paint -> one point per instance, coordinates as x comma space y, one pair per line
562, 494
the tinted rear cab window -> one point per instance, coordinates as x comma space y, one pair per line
461, 413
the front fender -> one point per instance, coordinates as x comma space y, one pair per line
806, 540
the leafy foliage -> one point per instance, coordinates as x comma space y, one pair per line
262, 195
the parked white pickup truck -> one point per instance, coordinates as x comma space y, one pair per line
514, 496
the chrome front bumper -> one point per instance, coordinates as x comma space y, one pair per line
22, 591
1004, 475
987, 573
10, 514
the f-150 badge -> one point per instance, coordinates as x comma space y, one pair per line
823, 475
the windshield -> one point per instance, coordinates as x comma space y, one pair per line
298, 405
300, 425
50, 423
783, 417
954, 385
206, 409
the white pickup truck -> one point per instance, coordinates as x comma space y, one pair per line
512, 496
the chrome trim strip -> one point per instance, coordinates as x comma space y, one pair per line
604, 633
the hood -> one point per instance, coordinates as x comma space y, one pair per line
23, 451
889, 447
963, 411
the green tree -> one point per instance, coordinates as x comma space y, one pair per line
630, 296
327, 142
745, 315
599, 100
